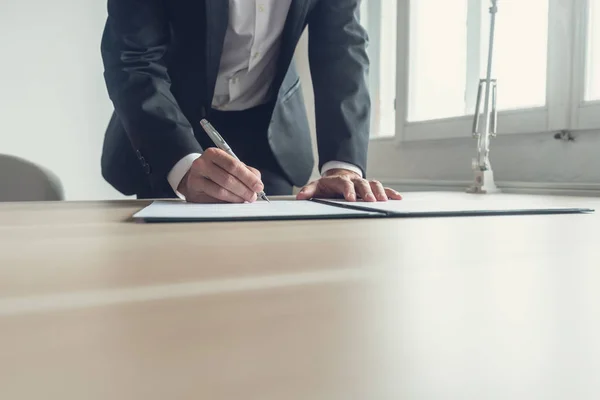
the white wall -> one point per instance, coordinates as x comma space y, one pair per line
539, 159
53, 103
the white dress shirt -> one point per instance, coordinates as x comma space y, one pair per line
248, 66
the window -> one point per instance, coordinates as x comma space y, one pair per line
379, 19
586, 90
521, 52
546, 61
592, 87
448, 51
437, 59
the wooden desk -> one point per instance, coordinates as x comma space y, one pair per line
94, 306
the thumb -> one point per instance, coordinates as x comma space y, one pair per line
307, 192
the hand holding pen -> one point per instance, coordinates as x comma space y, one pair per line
222, 144
218, 176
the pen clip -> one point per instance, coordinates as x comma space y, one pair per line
216, 137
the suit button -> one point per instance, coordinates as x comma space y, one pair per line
147, 169
139, 155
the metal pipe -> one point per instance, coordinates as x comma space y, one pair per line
484, 139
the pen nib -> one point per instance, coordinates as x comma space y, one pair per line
264, 197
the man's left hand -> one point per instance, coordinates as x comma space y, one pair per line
349, 185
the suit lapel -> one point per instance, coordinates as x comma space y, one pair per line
295, 19
217, 21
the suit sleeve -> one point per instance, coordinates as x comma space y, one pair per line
135, 42
339, 68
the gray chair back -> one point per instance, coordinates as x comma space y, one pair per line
22, 180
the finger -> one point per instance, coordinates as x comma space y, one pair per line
255, 172
307, 192
364, 190
378, 191
203, 198
347, 189
392, 194
236, 168
336, 187
193, 192
219, 192
227, 181
332, 187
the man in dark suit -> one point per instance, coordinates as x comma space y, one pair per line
169, 64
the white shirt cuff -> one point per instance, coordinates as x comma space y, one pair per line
339, 164
179, 170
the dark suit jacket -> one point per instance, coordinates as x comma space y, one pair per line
161, 60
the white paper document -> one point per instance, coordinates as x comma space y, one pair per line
278, 209
435, 203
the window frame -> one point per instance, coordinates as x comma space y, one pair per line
370, 16
565, 107
586, 114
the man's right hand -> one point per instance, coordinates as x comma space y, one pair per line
216, 177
